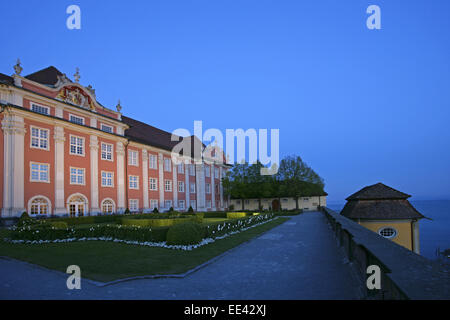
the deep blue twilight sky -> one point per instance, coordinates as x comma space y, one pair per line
360, 106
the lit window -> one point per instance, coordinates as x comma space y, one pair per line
153, 184
387, 232
39, 172
39, 109
76, 119
133, 158
76, 145
134, 182
76, 176
107, 150
107, 179
39, 138
39, 206
168, 185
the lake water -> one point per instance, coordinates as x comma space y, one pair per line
434, 233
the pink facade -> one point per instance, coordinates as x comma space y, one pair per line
62, 153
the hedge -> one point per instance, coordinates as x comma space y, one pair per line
185, 234
236, 215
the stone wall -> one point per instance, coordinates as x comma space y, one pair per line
404, 274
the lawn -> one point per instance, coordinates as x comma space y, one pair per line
107, 261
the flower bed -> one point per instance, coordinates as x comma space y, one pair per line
150, 236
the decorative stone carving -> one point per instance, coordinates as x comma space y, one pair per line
62, 80
18, 68
74, 95
118, 107
77, 76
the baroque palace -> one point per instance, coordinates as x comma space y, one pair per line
63, 153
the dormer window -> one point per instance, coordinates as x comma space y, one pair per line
76, 119
40, 109
106, 128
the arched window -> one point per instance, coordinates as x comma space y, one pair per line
39, 206
77, 205
387, 232
108, 206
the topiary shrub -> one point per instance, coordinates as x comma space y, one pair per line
155, 210
127, 211
190, 210
185, 234
236, 215
171, 209
25, 219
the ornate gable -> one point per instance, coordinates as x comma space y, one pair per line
73, 94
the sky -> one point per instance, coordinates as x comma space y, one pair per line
359, 106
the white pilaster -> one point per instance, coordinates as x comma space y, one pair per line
94, 175
213, 187
59, 206
220, 186
13, 168
145, 181
161, 179
120, 152
175, 185
187, 187
200, 181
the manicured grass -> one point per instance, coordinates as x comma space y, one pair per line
107, 261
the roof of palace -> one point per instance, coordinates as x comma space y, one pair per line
138, 131
380, 202
47, 76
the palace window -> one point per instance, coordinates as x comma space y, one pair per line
208, 204
107, 206
107, 179
207, 171
40, 109
216, 173
39, 172
39, 206
193, 204
39, 138
167, 165
181, 204
76, 176
106, 128
153, 163
76, 145
133, 158
180, 186
76, 119
168, 185
388, 232
153, 204
181, 168
168, 204
208, 188
133, 182
192, 187
191, 170
153, 184
107, 151
134, 205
